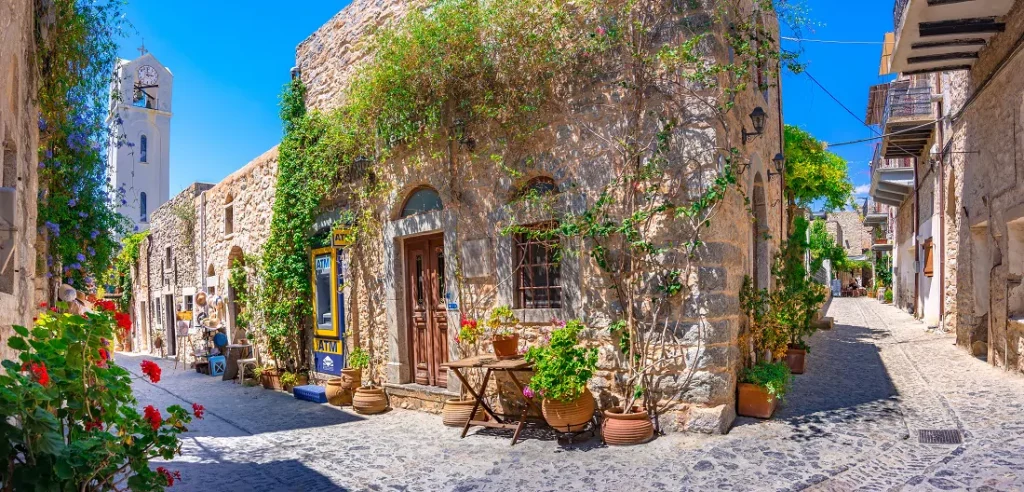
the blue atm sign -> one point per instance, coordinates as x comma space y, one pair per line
329, 363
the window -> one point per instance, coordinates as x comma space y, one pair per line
929, 267
539, 186
167, 253
142, 148
229, 215
422, 200
142, 207
140, 99
538, 274
188, 303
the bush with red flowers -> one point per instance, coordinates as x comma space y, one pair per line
72, 422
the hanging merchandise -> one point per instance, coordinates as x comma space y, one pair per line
201, 299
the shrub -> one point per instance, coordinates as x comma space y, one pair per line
773, 377
358, 359
888, 295
502, 322
71, 421
563, 367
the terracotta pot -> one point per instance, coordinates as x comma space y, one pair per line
271, 380
754, 401
507, 346
350, 380
301, 381
456, 412
158, 343
369, 400
335, 393
795, 359
622, 429
569, 416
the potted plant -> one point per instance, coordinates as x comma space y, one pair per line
368, 399
888, 296
351, 378
457, 411
503, 325
761, 388
269, 377
290, 380
562, 368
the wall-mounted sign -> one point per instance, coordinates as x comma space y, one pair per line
328, 346
341, 237
329, 363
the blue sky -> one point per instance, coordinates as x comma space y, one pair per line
231, 59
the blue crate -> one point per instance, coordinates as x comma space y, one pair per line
310, 392
217, 365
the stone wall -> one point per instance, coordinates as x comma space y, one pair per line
988, 204
573, 150
19, 143
856, 237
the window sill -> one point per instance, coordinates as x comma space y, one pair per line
538, 316
229, 236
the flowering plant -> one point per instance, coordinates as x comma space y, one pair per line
563, 367
502, 322
72, 421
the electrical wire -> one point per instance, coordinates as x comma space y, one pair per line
827, 41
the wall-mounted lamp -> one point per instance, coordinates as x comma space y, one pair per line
780, 166
758, 117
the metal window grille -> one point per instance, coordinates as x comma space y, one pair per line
538, 276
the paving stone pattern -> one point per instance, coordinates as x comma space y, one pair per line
850, 423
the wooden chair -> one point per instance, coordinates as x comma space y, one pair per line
252, 361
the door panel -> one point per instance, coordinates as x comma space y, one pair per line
427, 321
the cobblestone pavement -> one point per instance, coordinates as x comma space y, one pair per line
850, 423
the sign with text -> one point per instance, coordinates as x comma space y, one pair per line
328, 346
329, 363
341, 237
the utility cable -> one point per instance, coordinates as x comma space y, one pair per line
827, 41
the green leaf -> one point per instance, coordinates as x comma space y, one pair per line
18, 343
21, 330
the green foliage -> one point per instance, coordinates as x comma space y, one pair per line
888, 295
883, 270
563, 367
291, 379
766, 335
70, 419
121, 274
797, 298
823, 247
358, 359
501, 322
76, 54
813, 173
773, 377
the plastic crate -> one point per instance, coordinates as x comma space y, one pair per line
217, 365
310, 392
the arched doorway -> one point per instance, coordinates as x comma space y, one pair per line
761, 233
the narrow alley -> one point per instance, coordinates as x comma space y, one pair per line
874, 384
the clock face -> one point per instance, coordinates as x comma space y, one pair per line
147, 75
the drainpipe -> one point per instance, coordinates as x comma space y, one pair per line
942, 210
917, 249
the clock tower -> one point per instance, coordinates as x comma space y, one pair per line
140, 115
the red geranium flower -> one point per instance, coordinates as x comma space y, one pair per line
169, 475
104, 355
198, 410
152, 370
106, 305
93, 424
124, 320
153, 416
42, 304
38, 369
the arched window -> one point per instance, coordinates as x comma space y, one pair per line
422, 200
229, 214
143, 144
540, 186
142, 207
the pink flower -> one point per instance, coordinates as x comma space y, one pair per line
527, 392
600, 31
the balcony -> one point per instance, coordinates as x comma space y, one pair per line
943, 35
904, 112
892, 180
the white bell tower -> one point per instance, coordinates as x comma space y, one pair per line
141, 118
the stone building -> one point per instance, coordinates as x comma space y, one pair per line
450, 232
193, 239
855, 237
957, 108
19, 144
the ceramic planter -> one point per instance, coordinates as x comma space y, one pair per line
456, 412
754, 401
334, 393
351, 379
795, 359
622, 428
271, 380
506, 346
369, 401
569, 416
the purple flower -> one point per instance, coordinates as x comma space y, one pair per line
124, 202
83, 214
42, 123
93, 234
136, 228
75, 266
527, 392
72, 202
80, 257
92, 252
55, 228
42, 165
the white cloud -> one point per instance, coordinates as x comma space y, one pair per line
863, 189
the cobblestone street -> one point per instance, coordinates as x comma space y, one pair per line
850, 423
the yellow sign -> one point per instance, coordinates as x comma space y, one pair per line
185, 315
341, 237
328, 346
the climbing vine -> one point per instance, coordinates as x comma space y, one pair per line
120, 275
77, 53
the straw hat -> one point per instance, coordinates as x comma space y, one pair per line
201, 299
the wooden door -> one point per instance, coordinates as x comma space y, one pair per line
426, 302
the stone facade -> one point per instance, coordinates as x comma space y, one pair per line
19, 144
479, 204
855, 237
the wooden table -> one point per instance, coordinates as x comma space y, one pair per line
235, 351
491, 364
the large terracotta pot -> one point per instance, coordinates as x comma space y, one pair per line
334, 393
622, 429
369, 401
456, 412
271, 380
754, 401
507, 346
350, 380
795, 359
569, 416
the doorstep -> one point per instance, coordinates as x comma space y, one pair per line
414, 396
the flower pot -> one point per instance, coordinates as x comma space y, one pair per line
569, 416
506, 346
271, 380
351, 379
795, 359
334, 393
623, 429
456, 412
754, 401
301, 381
369, 401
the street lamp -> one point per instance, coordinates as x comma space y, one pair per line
780, 166
758, 118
